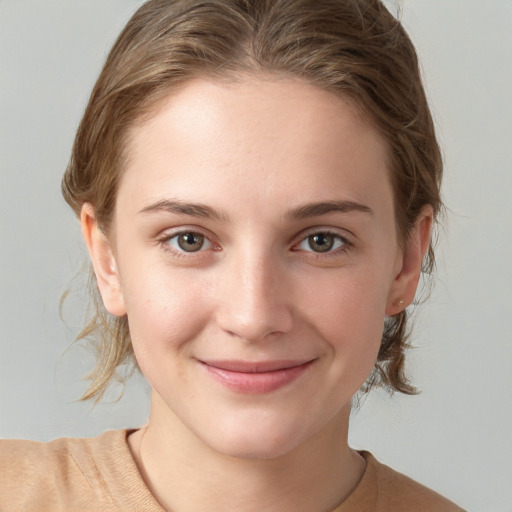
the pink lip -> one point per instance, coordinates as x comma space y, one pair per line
256, 377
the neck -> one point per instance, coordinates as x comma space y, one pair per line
187, 475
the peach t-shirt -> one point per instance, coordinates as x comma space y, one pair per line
100, 475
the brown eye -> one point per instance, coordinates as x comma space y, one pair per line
189, 242
321, 242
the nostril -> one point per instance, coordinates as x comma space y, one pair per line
252, 303
267, 324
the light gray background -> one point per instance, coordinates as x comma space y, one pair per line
457, 435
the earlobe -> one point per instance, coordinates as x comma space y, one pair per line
103, 261
403, 288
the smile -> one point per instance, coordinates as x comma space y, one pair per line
256, 377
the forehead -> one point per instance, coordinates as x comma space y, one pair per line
283, 134
280, 102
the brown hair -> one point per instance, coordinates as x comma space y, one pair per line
354, 48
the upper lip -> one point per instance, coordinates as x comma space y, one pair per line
255, 366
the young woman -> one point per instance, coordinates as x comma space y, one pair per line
256, 182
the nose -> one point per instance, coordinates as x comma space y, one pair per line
256, 302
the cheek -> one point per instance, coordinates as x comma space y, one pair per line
349, 315
350, 298
164, 314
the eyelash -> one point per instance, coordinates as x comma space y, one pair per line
345, 243
164, 243
165, 240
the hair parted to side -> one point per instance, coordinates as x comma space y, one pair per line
353, 48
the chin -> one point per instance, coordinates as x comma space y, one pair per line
262, 442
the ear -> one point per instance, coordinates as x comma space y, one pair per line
403, 288
103, 261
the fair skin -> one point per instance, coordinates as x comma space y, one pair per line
255, 253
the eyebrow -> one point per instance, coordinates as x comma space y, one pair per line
182, 208
301, 212
325, 207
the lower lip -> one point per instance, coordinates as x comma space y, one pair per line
257, 382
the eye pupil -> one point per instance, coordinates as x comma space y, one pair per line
321, 242
191, 242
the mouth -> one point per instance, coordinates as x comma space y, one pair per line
256, 377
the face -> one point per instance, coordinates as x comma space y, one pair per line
255, 253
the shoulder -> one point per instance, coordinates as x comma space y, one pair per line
26, 460
396, 492
59, 475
